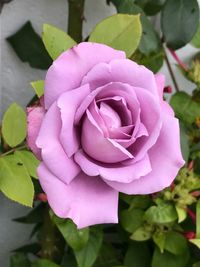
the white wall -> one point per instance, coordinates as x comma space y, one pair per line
15, 78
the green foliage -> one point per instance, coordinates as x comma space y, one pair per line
19, 260
154, 61
150, 42
175, 243
186, 109
135, 255
29, 161
38, 87
56, 41
161, 214
168, 259
196, 39
180, 20
15, 181
132, 219
184, 142
76, 239
107, 256
14, 125
122, 32
29, 47
198, 219
44, 263
89, 253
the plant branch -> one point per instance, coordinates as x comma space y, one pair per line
171, 72
13, 150
75, 19
178, 60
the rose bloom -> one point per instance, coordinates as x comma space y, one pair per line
104, 129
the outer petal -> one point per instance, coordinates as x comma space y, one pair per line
86, 200
68, 70
160, 82
53, 154
166, 160
124, 71
68, 104
113, 172
35, 116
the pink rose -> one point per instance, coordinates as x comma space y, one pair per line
106, 130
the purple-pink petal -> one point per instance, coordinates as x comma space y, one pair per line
124, 71
113, 172
86, 200
68, 70
35, 116
53, 154
166, 160
68, 103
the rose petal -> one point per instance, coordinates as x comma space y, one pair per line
86, 200
124, 71
68, 103
160, 82
96, 145
113, 172
68, 70
166, 160
52, 152
35, 116
150, 116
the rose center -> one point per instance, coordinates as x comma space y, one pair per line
110, 116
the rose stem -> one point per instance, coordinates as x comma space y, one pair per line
191, 214
179, 61
75, 19
171, 72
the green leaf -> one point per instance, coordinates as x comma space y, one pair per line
168, 259
197, 264
182, 214
198, 219
29, 47
161, 214
35, 216
179, 22
44, 263
30, 248
88, 254
142, 233
29, 161
15, 181
150, 41
185, 108
138, 255
131, 219
122, 32
107, 256
152, 7
14, 125
196, 39
159, 238
196, 242
154, 61
184, 142
56, 41
175, 243
19, 260
38, 87
76, 239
